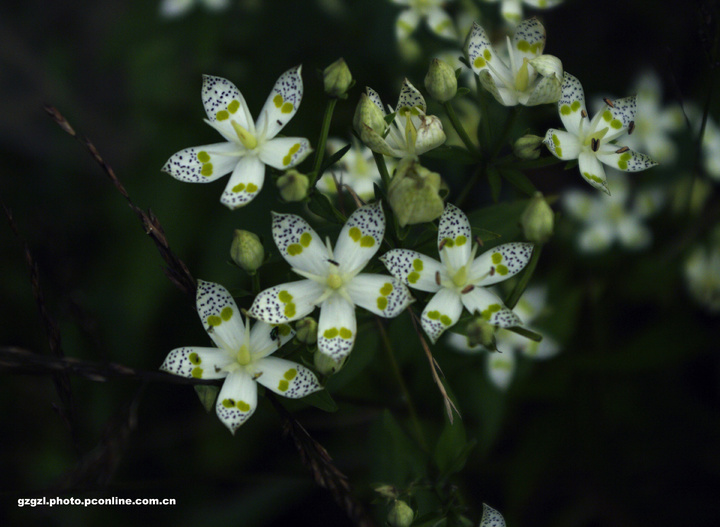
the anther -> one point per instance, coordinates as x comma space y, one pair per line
583, 113
631, 128
467, 289
608, 102
437, 277
594, 144
622, 150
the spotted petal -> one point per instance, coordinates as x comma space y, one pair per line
479, 51
360, 237
282, 103
529, 40
286, 302
299, 244
500, 263
245, 183
337, 327
511, 11
266, 339
592, 171
379, 294
620, 116
224, 103
196, 362
442, 312
501, 366
220, 315
490, 307
491, 517
237, 400
440, 23
285, 152
454, 237
406, 23
546, 90
562, 145
202, 164
414, 269
285, 377
410, 97
625, 160
571, 104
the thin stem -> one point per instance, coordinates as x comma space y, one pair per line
505, 132
320, 150
465, 192
256, 282
382, 168
403, 387
459, 127
514, 297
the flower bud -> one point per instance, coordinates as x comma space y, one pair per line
440, 81
400, 515
247, 251
537, 220
326, 365
413, 193
306, 330
481, 333
293, 185
548, 65
337, 79
528, 146
367, 113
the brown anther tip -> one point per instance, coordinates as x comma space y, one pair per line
631, 128
608, 102
492, 271
442, 244
583, 113
467, 289
594, 144
437, 277
479, 241
622, 150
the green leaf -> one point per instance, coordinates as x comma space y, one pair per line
389, 118
322, 400
501, 218
495, 183
519, 181
337, 156
207, 394
455, 154
397, 457
452, 448
462, 91
524, 332
320, 205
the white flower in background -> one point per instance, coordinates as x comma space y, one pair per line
431, 11
491, 517
512, 10
524, 76
702, 276
606, 219
333, 279
459, 279
711, 149
175, 8
501, 363
242, 358
412, 132
357, 169
249, 145
592, 142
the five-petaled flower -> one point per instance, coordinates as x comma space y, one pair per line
432, 11
592, 141
241, 358
249, 145
512, 10
412, 132
459, 279
332, 279
530, 79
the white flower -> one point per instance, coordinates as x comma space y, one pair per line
512, 11
411, 132
333, 279
527, 77
501, 363
459, 279
491, 517
608, 218
249, 145
711, 149
702, 275
357, 169
175, 8
592, 142
241, 358
437, 19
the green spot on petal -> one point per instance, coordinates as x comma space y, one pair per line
305, 239
290, 310
290, 374
194, 358
228, 403
565, 109
197, 373
214, 320
355, 233
479, 62
345, 333
460, 240
575, 106
446, 320
242, 406
382, 302
207, 169
233, 106
386, 289
226, 313
294, 249
413, 277
331, 333
487, 54
283, 386
287, 107
497, 258
523, 45
434, 315
278, 100
239, 187
251, 187
502, 270
367, 241
615, 123
222, 115
203, 156
418, 264
284, 296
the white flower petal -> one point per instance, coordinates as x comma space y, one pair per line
442, 312
579, 205
282, 103
414, 269
562, 145
196, 362
491, 517
237, 400
592, 171
286, 302
511, 11
596, 237
202, 164
174, 8
546, 90
409, 98
220, 315
360, 237
620, 117
337, 327
266, 339
454, 237
626, 160
285, 152
500, 263
528, 41
245, 183
571, 104
490, 307
382, 295
406, 23
544, 349
440, 23
223, 103
480, 52
633, 234
299, 244
286, 378
501, 367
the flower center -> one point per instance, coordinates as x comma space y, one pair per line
460, 277
334, 281
247, 139
522, 79
243, 355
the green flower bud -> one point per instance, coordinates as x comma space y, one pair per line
538, 220
337, 79
326, 365
293, 185
400, 515
481, 333
306, 330
367, 113
247, 251
528, 147
413, 193
440, 81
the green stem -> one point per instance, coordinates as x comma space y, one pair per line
528, 164
382, 168
459, 127
484, 117
256, 282
512, 300
465, 192
320, 151
505, 132
403, 387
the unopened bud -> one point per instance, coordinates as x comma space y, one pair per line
528, 146
247, 251
400, 515
337, 79
547, 66
537, 220
293, 185
440, 81
481, 333
306, 330
413, 193
326, 365
369, 114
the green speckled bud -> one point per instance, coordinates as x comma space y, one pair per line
367, 113
480, 333
337, 79
247, 251
306, 330
293, 185
528, 147
400, 515
538, 220
413, 193
440, 81
326, 364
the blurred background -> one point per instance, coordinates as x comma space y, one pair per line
621, 428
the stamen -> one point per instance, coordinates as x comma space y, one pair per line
622, 150
608, 102
467, 289
594, 144
336, 264
583, 113
437, 277
479, 241
631, 128
492, 271
442, 244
